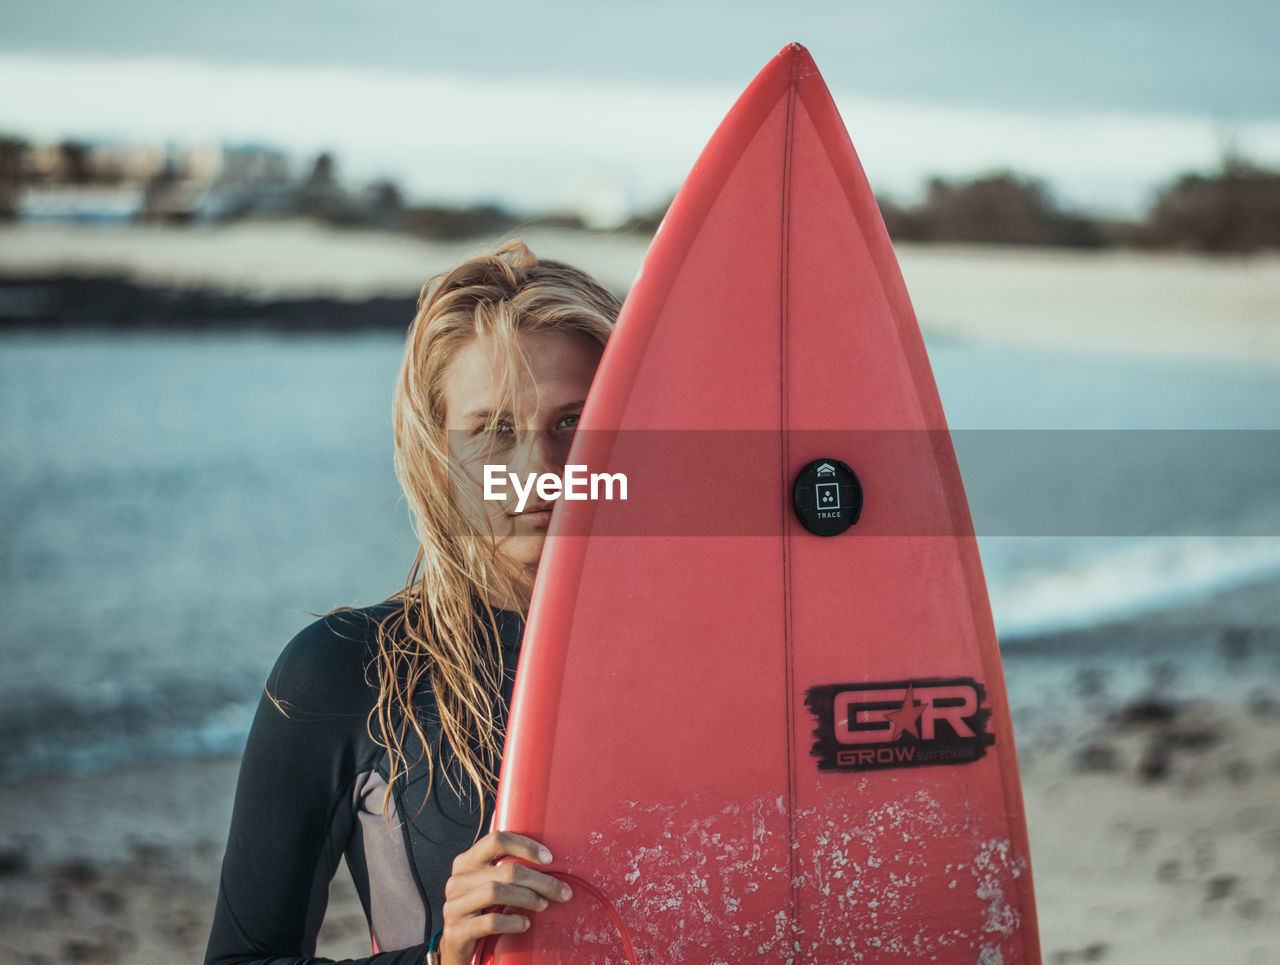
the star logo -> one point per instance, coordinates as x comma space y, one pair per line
907, 717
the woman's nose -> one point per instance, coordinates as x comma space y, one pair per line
542, 452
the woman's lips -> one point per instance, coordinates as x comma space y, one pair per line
539, 516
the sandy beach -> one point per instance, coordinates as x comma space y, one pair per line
1119, 302
1154, 830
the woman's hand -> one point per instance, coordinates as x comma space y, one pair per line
477, 882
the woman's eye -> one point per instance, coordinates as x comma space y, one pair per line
498, 428
570, 421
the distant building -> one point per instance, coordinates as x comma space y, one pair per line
250, 164
118, 182
249, 179
45, 163
89, 203
132, 163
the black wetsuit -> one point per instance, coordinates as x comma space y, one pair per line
310, 792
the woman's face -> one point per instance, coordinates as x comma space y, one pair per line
533, 440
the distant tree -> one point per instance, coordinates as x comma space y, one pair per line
648, 221
386, 195
452, 224
77, 166
903, 223
322, 176
158, 196
322, 197
1236, 209
13, 153
999, 208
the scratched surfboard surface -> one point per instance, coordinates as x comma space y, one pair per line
757, 742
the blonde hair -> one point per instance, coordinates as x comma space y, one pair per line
434, 640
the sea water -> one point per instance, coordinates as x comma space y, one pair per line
1102, 487
173, 508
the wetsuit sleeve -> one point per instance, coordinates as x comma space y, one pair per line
294, 808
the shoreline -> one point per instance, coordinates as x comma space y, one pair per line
71, 303
1110, 301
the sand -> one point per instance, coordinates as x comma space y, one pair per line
290, 257
1130, 865
123, 867
1119, 302
1154, 830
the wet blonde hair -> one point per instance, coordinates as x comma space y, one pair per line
434, 640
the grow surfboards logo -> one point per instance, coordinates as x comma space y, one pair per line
899, 723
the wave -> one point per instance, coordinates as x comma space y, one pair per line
1091, 583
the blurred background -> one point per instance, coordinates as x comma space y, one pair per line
214, 223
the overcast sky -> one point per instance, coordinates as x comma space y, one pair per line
530, 100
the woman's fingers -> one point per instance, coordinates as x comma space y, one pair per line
482, 881
495, 924
460, 939
492, 894
500, 844
504, 884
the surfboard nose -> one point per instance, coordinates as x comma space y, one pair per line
798, 60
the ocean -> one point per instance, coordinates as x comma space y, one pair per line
173, 508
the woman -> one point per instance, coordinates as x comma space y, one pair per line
380, 733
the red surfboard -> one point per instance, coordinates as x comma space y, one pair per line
760, 713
